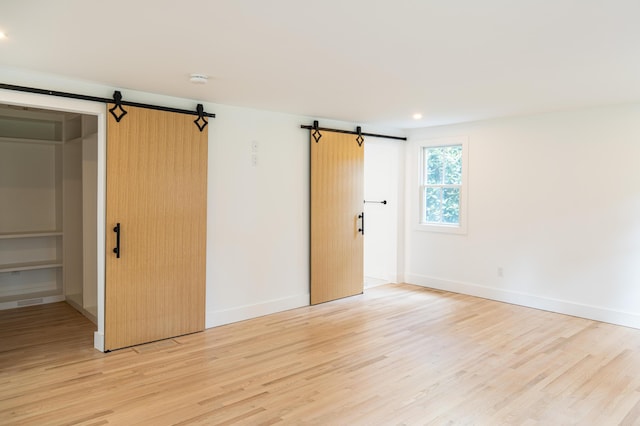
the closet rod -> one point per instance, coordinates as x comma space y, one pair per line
350, 132
98, 99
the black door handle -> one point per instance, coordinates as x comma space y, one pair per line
361, 217
117, 249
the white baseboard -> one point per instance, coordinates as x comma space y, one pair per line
98, 341
596, 313
370, 282
241, 313
86, 312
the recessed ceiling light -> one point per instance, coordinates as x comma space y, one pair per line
198, 78
417, 116
3, 35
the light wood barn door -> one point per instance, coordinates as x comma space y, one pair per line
337, 191
156, 191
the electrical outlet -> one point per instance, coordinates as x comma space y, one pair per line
254, 160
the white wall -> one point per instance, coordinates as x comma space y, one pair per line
554, 200
258, 242
383, 180
258, 217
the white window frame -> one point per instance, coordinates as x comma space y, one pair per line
460, 228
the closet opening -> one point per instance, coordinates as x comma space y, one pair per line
48, 209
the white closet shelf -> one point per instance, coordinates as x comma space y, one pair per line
27, 140
30, 266
28, 234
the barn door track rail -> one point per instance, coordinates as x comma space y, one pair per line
118, 110
316, 133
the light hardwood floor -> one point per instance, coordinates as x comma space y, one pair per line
399, 354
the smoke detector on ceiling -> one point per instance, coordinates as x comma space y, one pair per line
198, 78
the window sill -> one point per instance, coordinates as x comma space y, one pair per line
442, 229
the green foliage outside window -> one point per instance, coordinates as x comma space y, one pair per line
443, 180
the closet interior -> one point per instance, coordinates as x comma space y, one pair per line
48, 208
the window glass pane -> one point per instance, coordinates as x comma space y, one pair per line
433, 205
451, 205
434, 163
452, 159
442, 185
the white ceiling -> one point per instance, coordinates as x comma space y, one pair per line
365, 61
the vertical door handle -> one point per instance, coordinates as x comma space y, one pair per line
361, 217
117, 249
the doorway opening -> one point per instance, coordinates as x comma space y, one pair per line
50, 201
383, 194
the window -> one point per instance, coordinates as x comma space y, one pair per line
442, 188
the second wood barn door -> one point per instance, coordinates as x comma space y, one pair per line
337, 191
156, 191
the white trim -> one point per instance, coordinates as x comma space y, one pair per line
596, 313
241, 313
102, 224
370, 282
464, 188
82, 107
98, 341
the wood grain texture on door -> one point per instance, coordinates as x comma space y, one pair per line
156, 191
337, 191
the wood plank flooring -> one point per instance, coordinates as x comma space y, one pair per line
398, 354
